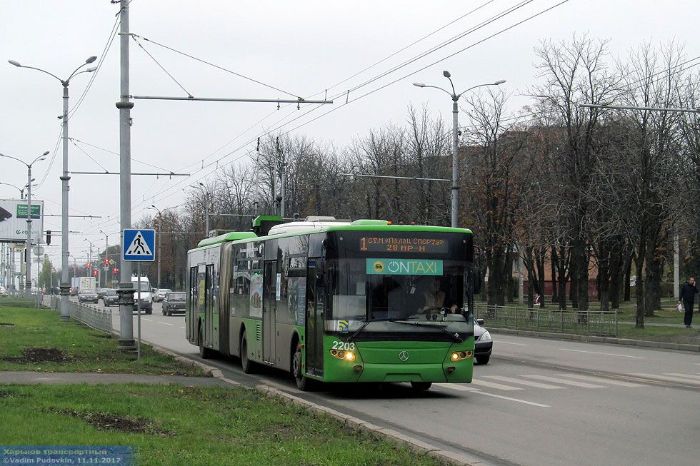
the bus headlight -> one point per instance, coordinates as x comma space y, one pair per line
343, 354
459, 355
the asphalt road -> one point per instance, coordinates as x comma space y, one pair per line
538, 402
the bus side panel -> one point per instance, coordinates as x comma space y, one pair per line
253, 333
192, 314
225, 276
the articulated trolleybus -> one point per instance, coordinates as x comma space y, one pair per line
337, 301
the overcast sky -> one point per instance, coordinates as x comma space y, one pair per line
303, 47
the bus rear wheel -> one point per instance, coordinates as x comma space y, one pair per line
302, 382
421, 386
246, 363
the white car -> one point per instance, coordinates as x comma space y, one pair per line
159, 294
3, 291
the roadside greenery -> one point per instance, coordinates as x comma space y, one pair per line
231, 426
37, 340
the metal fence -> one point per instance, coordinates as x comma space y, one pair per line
549, 320
92, 316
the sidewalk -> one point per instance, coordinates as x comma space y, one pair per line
92, 378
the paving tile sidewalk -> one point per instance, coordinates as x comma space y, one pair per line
63, 378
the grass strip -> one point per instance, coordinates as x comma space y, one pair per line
38, 340
181, 425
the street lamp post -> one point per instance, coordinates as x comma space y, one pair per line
160, 228
28, 255
206, 206
106, 266
65, 284
455, 138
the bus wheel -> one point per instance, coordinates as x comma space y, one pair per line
246, 364
302, 382
204, 353
421, 386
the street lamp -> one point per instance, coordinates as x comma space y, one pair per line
21, 190
65, 284
28, 256
160, 228
455, 109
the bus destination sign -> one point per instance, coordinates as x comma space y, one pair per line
403, 245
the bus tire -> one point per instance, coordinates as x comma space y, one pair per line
421, 386
300, 379
204, 352
246, 364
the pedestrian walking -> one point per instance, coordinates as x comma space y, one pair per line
688, 297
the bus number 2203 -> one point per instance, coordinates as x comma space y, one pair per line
343, 345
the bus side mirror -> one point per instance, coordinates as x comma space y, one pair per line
480, 322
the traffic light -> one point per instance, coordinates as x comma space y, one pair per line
115, 270
94, 273
48, 237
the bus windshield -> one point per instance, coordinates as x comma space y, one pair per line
389, 292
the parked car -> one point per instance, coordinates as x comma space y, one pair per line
100, 292
87, 296
159, 294
174, 302
483, 344
3, 291
110, 297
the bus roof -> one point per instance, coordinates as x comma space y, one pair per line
231, 236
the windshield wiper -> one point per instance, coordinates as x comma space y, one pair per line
362, 327
455, 336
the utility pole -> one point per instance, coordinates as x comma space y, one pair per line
282, 164
126, 289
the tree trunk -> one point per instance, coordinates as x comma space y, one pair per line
553, 262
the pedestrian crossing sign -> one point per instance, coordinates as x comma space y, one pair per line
138, 245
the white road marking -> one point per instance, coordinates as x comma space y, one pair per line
562, 381
666, 378
527, 383
458, 387
166, 323
493, 395
183, 328
503, 342
495, 385
147, 320
687, 376
604, 354
591, 378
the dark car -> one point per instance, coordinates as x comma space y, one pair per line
482, 343
87, 296
174, 302
110, 297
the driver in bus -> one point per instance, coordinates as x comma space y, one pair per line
434, 299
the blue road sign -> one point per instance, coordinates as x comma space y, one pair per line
139, 245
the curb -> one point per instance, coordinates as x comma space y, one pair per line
596, 339
398, 438
414, 444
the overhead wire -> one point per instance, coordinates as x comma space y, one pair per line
493, 19
221, 68
407, 75
189, 94
93, 75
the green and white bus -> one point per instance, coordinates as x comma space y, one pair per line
337, 301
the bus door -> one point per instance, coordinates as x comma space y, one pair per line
315, 310
270, 287
210, 327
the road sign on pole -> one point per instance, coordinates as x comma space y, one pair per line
139, 245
